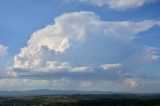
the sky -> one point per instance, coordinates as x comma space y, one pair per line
89, 45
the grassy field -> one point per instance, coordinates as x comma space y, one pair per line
83, 100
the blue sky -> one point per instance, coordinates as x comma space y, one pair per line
80, 44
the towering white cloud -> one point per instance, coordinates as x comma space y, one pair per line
3, 50
76, 46
48, 47
119, 5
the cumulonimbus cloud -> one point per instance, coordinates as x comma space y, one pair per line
78, 46
61, 45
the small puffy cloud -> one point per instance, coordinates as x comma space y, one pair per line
132, 83
152, 53
110, 66
87, 84
120, 5
3, 50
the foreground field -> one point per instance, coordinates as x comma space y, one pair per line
83, 100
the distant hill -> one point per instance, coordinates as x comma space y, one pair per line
49, 92
82, 100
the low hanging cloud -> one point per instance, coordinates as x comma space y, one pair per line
60, 84
87, 84
3, 50
120, 5
132, 83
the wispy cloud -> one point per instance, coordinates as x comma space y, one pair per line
120, 5
110, 66
3, 50
152, 54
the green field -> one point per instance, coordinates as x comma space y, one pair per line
83, 100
